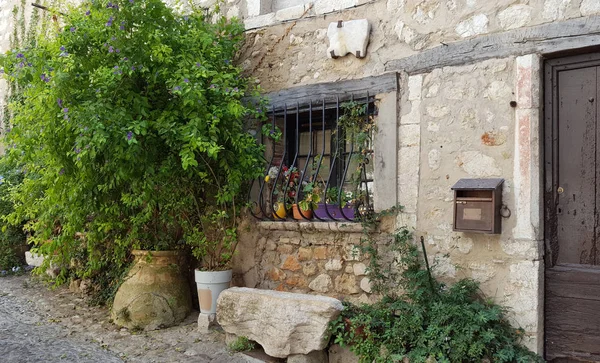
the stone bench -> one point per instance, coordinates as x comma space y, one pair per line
284, 324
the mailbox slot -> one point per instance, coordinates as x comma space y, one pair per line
477, 204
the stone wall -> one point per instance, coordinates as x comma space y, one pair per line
309, 257
476, 119
291, 52
467, 129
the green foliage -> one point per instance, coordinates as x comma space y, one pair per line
335, 195
12, 237
129, 127
242, 344
358, 126
429, 321
311, 195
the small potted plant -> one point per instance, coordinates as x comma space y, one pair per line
213, 244
282, 182
339, 204
311, 193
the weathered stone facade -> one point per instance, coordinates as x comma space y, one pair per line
459, 65
317, 258
467, 105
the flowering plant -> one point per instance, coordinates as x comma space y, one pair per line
130, 125
282, 182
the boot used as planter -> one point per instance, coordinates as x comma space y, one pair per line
155, 293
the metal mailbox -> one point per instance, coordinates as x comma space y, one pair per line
477, 204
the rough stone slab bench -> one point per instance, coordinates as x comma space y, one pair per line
284, 324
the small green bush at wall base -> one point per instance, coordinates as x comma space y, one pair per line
429, 322
242, 344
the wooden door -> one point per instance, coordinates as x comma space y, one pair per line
572, 208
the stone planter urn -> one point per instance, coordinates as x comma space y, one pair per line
155, 293
210, 284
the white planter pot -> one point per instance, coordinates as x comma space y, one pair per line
210, 284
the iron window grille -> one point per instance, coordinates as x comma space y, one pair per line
313, 148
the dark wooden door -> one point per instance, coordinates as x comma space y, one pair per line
572, 206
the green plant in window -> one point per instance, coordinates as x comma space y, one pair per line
335, 195
358, 127
311, 193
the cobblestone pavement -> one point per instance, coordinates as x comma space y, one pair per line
42, 325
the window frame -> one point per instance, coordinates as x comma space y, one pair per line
294, 122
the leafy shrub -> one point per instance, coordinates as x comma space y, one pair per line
428, 321
129, 124
12, 237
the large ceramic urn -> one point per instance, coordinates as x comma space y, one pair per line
155, 293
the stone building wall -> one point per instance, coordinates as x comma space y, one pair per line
292, 51
476, 118
315, 258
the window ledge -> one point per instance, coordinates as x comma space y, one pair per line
307, 10
349, 227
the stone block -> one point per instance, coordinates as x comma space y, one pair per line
319, 356
275, 274
253, 7
285, 249
410, 135
321, 283
589, 7
385, 145
360, 269
475, 25
415, 84
310, 268
259, 21
528, 81
297, 282
351, 37
333, 265
365, 285
294, 12
515, 16
282, 323
320, 253
291, 263
304, 254
328, 6
414, 116
346, 284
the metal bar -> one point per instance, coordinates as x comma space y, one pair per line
303, 174
275, 215
293, 164
332, 165
316, 172
262, 183
365, 161
350, 154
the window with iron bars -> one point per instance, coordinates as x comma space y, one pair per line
319, 162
